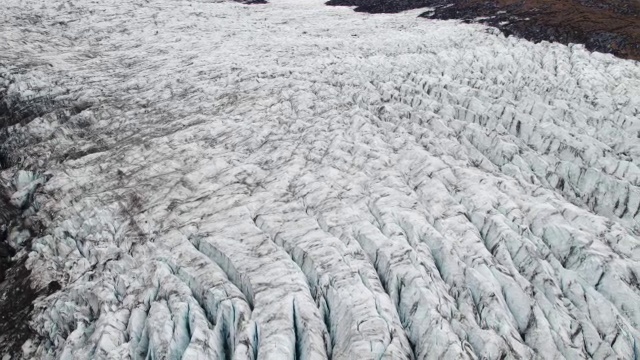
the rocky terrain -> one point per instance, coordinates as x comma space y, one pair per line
216, 180
610, 26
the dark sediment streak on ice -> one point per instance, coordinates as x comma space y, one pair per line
16, 293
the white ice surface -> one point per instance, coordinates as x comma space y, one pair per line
297, 181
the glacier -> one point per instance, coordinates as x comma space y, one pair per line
215, 180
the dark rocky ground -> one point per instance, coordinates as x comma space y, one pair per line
16, 303
610, 26
16, 293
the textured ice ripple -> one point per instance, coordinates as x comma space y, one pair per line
295, 181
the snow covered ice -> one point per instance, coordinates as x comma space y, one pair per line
298, 181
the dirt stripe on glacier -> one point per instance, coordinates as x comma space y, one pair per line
16, 303
16, 291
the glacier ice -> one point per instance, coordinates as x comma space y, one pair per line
297, 181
